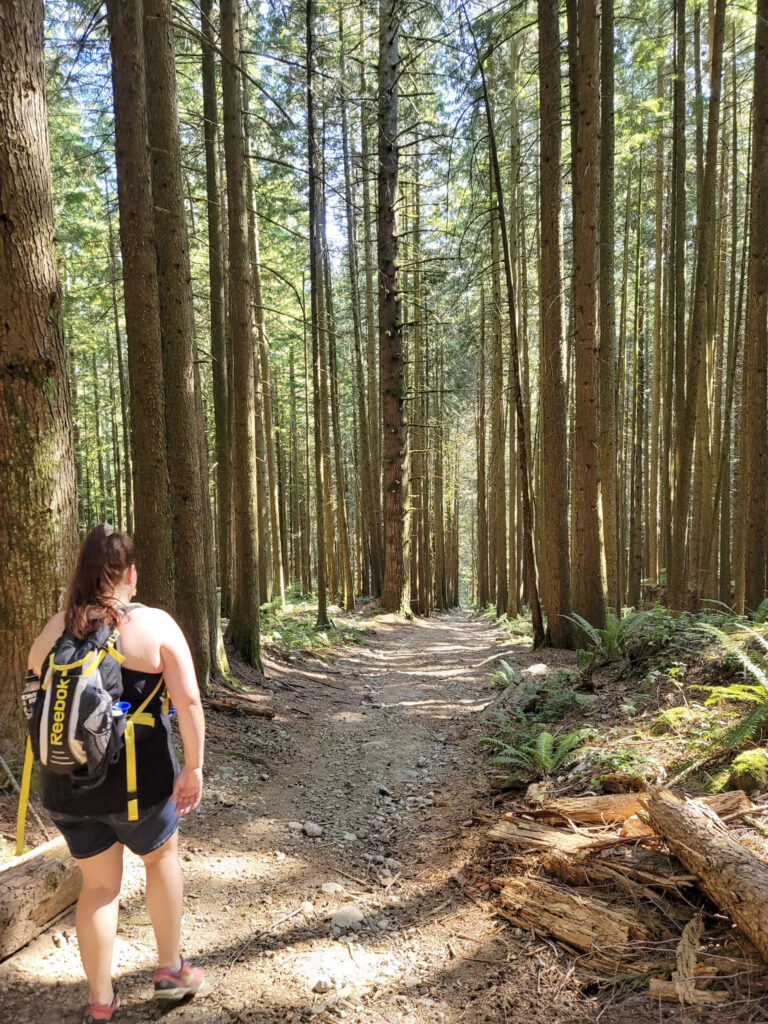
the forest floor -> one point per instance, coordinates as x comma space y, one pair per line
374, 921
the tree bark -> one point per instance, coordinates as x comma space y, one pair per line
152, 503
177, 325
555, 563
37, 499
316, 290
390, 314
729, 873
753, 438
216, 300
244, 621
607, 371
586, 557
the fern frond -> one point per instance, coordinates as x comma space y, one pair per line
586, 627
544, 748
747, 728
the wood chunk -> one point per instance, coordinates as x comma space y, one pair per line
723, 804
729, 873
581, 922
677, 992
636, 826
623, 782
241, 704
596, 810
536, 835
34, 889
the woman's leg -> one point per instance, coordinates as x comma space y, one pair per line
164, 898
96, 919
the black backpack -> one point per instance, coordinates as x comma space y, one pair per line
74, 728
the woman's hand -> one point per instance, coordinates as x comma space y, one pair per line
188, 790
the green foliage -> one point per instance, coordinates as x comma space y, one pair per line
678, 720
541, 755
749, 771
292, 633
608, 643
761, 615
754, 693
504, 676
628, 760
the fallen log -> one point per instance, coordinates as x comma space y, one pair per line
34, 889
535, 835
235, 705
581, 922
728, 872
612, 808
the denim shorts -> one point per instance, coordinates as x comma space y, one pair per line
88, 836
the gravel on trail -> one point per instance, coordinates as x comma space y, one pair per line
323, 870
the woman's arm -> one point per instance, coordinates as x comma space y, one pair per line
179, 675
43, 643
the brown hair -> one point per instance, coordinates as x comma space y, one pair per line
104, 556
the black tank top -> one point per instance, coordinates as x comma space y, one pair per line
156, 764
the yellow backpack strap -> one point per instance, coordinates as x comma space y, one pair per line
137, 717
26, 778
110, 647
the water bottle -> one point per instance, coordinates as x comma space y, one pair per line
120, 708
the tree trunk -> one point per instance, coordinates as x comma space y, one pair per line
482, 513
369, 482
730, 874
555, 565
586, 556
755, 416
686, 425
607, 371
152, 503
374, 389
121, 375
37, 499
177, 325
658, 280
390, 314
244, 620
316, 288
216, 301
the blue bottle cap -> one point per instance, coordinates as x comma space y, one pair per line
122, 706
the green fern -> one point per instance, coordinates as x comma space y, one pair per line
753, 723
540, 756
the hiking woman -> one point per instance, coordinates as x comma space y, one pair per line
94, 822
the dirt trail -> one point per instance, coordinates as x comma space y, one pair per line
378, 749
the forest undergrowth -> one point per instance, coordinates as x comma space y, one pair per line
659, 697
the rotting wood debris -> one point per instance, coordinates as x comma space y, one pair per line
643, 888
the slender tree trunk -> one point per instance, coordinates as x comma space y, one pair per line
555, 564
686, 425
586, 556
102, 505
37, 499
608, 439
152, 503
522, 443
121, 374
244, 620
482, 513
177, 325
117, 471
316, 289
755, 416
498, 483
390, 314
374, 390
369, 482
658, 299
